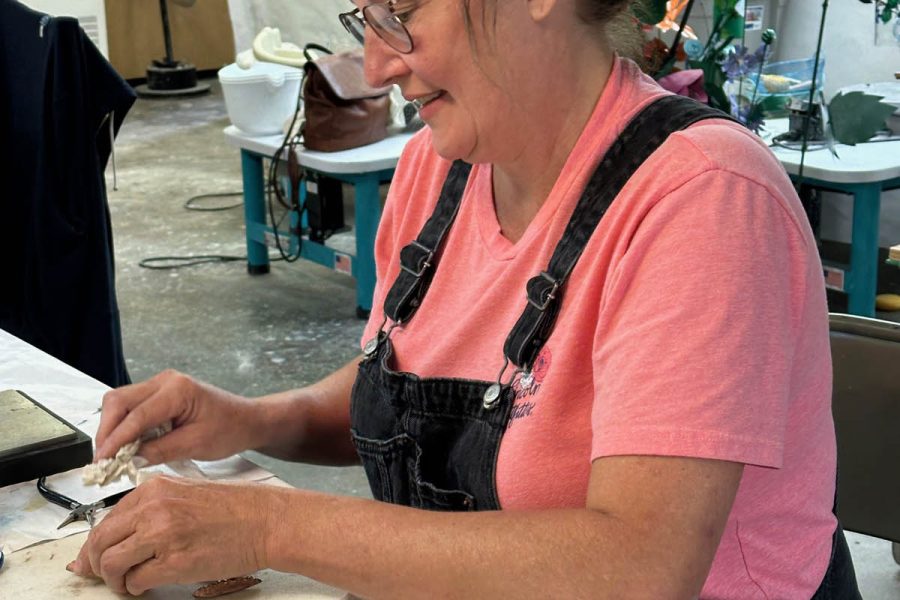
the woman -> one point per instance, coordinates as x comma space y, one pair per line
670, 436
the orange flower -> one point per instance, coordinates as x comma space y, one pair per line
673, 9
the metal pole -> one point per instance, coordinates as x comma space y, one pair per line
164, 11
812, 94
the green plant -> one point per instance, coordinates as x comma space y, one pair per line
726, 67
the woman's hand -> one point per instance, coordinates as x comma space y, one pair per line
208, 423
174, 530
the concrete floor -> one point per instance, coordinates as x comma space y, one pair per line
250, 334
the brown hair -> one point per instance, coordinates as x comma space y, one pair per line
600, 12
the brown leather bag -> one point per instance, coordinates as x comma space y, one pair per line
340, 109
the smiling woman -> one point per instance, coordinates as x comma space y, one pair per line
652, 419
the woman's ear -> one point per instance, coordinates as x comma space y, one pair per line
540, 9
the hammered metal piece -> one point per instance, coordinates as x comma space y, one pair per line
226, 586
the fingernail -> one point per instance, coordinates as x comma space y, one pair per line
140, 462
71, 567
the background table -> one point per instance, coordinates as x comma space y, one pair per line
863, 171
365, 167
38, 571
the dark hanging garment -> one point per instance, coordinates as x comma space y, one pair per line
61, 104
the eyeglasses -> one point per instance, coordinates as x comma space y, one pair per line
384, 23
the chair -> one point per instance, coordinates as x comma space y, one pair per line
866, 408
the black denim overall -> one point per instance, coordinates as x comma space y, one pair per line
432, 443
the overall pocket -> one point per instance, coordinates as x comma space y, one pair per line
385, 463
431, 497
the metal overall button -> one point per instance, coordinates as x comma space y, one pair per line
491, 396
371, 346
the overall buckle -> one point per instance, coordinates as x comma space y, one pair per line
419, 255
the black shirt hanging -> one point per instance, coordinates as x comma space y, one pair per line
58, 97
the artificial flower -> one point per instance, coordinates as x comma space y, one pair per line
686, 83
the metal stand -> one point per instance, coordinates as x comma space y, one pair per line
169, 77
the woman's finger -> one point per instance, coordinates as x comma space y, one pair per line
119, 402
120, 558
160, 407
118, 525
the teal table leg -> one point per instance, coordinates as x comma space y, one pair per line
254, 211
863, 276
368, 214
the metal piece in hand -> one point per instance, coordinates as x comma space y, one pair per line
226, 586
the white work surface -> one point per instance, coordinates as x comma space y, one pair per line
863, 163
35, 569
373, 157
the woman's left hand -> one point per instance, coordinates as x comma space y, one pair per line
173, 530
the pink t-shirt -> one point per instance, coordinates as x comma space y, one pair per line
694, 324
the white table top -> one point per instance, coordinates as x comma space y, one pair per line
38, 571
365, 159
863, 163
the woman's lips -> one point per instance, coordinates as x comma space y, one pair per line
427, 105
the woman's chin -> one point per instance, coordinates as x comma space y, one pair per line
452, 149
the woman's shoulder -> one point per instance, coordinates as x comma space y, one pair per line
728, 146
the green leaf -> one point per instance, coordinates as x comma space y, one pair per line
857, 116
713, 80
772, 104
649, 12
725, 5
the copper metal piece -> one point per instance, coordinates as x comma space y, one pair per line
226, 586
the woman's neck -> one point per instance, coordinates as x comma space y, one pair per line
522, 183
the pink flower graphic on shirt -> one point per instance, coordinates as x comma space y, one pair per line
541, 365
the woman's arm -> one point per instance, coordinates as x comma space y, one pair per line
208, 423
650, 529
310, 424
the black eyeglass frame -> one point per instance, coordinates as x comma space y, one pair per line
350, 20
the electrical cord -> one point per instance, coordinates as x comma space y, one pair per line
191, 203
163, 263
272, 189
288, 145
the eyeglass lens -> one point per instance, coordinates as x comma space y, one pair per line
383, 22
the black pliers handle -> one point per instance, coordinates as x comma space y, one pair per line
79, 511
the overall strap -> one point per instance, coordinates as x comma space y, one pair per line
643, 135
417, 258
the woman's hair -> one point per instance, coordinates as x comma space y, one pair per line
598, 12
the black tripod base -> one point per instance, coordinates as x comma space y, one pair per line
171, 79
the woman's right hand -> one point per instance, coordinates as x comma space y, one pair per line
208, 423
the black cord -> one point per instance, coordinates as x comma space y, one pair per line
272, 188
288, 145
163, 263
191, 203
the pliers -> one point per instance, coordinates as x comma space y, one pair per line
79, 511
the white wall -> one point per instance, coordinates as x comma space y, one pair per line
851, 56
300, 21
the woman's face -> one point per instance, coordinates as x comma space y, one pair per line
466, 95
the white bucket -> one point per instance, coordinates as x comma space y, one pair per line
262, 98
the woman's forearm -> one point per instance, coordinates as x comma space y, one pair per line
310, 424
378, 550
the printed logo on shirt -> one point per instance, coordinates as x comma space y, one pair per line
527, 386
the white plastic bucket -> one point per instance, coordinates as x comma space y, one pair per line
262, 98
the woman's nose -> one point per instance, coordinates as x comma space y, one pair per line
382, 65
